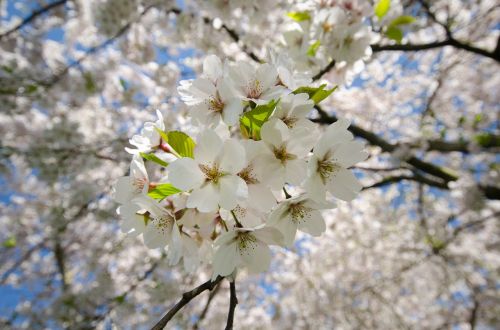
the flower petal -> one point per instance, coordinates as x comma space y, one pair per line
313, 224
185, 174
205, 199
233, 190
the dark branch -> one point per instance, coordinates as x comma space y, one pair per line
207, 306
491, 192
437, 44
415, 177
186, 298
323, 71
233, 301
32, 16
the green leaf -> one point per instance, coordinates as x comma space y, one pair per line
487, 140
10, 242
313, 48
90, 86
120, 299
317, 94
163, 135
402, 20
394, 33
31, 88
299, 16
123, 83
382, 8
252, 121
181, 143
154, 158
163, 190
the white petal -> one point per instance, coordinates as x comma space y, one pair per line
315, 187
155, 237
232, 111
313, 223
287, 228
225, 260
344, 185
185, 174
270, 236
266, 75
295, 171
174, 247
260, 197
256, 256
232, 158
350, 153
274, 132
212, 67
203, 88
232, 191
123, 190
208, 148
205, 199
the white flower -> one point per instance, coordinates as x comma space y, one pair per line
149, 138
287, 76
134, 222
260, 196
299, 213
283, 160
245, 247
212, 174
255, 84
292, 110
137, 183
327, 168
211, 99
161, 228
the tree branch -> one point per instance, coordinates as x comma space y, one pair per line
323, 71
207, 306
233, 301
415, 177
32, 16
437, 44
491, 192
186, 298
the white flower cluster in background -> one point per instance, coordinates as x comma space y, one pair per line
227, 194
330, 30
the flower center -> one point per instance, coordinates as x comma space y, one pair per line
139, 184
254, 89
326, 168
212, 173
290, 121
299, 212
247, 175
281, 154
162, 223
215, 104
246, 241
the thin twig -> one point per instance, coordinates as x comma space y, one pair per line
186, 298
233, 301
32, 16
204, 312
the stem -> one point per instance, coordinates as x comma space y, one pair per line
233, 301
287, 195
186, 298
238, 224
168, 149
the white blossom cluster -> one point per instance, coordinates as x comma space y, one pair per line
330, 30
228, 191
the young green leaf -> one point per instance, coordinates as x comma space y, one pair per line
153, 158
299, 16
163, 135
252, 121
382, 8
402, 20
317, 94
163, 190
181, 143
394, 33
10, 242
313, 48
